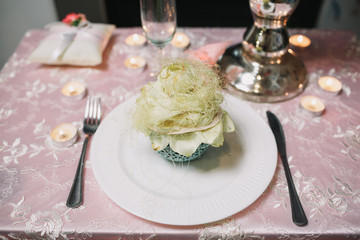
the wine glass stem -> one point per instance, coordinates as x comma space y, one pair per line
161, 52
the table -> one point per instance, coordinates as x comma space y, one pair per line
36, 177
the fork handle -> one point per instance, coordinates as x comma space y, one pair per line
75, 198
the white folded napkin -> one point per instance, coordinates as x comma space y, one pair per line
80, 46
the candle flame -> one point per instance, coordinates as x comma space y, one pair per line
329, 81
313, 102
132, 60
62, 134
300, 38
72, 90
179, 38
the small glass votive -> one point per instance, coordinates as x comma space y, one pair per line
330, 84
74, 90
180, 40
135, 40
312, 105
64, 135
135, 63
300, 41
268, 7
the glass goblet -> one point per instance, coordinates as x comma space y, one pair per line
158, 19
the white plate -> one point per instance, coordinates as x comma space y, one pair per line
221, 183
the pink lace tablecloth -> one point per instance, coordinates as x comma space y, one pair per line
35, 176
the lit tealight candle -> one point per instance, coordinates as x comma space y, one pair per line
299, 40
135, 63
313, 105
330, 84
180, 40
63, 135
135, 40
74, 90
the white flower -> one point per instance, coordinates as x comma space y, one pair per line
226, 229
16, 150
19, 210
6, 113
47, 223
313, 196
339, 204
36, 88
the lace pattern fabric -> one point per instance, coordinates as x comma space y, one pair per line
35, 176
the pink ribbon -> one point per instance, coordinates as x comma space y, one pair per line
210, 53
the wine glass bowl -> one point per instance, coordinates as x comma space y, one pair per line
159, 34
158, 19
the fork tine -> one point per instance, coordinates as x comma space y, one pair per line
87, 108
91, 110
93, 117
99, 111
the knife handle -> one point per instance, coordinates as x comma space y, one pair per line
298, 214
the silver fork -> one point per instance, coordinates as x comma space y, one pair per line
91, 123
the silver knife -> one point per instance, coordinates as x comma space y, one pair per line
298, 214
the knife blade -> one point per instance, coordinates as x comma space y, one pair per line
298, 214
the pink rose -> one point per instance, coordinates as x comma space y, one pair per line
74, 19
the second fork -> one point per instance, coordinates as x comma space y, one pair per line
91, 123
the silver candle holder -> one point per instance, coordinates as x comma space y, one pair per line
262, 67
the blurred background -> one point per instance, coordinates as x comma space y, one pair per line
18, 16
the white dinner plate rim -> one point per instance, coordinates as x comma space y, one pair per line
127, 197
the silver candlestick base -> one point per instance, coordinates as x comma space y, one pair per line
262, 67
